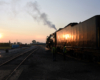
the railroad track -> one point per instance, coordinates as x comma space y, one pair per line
14, 58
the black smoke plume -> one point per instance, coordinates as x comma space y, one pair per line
34, 11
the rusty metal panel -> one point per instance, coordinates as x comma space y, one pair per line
80, 35
98, 30
91, 32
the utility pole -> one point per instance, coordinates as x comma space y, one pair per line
16, 41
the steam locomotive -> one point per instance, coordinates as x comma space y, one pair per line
81, 39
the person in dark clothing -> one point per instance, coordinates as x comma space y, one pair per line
64, 53
54, 52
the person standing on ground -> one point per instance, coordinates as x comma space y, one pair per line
64, 53
54, 52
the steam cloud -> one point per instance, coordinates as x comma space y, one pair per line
32, 9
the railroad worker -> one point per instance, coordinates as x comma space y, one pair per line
54, 52
64, 53
7, 50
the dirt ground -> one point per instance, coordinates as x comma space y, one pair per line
42, 67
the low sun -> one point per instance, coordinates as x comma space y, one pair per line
0, 35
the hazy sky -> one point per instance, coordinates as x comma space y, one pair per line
27, 20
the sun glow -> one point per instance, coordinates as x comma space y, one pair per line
0, 35
67, 36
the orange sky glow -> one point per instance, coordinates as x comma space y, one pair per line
21, 38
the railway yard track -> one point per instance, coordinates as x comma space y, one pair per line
36, 64
24, 56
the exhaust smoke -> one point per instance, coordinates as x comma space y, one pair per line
32, 9
38, 15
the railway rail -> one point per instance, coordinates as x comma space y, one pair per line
18, 56
13, 58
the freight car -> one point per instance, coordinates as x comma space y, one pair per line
81, 39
